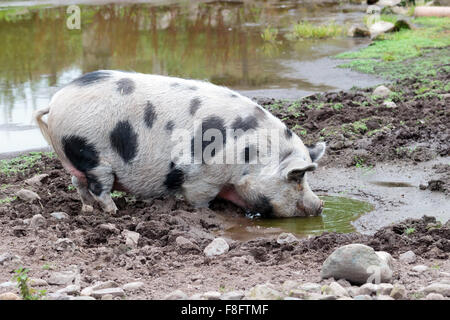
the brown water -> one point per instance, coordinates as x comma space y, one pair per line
217, 41
337, 216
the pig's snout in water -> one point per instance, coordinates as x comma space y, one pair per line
312, 206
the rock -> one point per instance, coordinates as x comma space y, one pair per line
9, 296
114, 292
384, 289
381, 91
211, 295
64, 244
299, 294
389, 104
337, 290
420, 268
284, 238
434, 296
133, 286
60, 215
217, 247
398, 292
367, 289
328, 297
362, 297
197, 296
400, 10
344, 298
311, 287
264, 292
7, 284
185, 245
289, 285
38, 221
372, 9
35, 282
36, 180
408, 257
107, 297
356, 263
358, 31
57, 296
62, 278
98, 286
82, 298
233, 295
388, 3
380, 27
131, 238
176, 295
344, 283
10, 260
402, 24
291, 298
438, 287
384, 297
109, 227
72, 289
27, 195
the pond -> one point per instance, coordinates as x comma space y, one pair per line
337, 216
218, 41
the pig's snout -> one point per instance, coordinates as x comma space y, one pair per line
311, 206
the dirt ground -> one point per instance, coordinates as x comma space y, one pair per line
411, 140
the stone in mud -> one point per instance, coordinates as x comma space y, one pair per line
9, 296
389, 104
362, 297
109, 227
114, 292
386, 258
233, 295
185, 245
384, 289
284, 238
64, 244
367, 289
408, 257
38, 221
398, 292
133, 286
176, 295
72, 289
82, 298
358, 31
7, 284
9, 259
380, 27
356, 263
420, 268
217, 247
434, 296
36, 180
131, 238
381, 91
298, 293
36, 282
211, 295
264, 292
62, 278
60, 215
388, 3
311, 287
337, 290
98, 286
384, 297
27, 195
438, 287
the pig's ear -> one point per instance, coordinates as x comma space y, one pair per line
316, 152
296, 169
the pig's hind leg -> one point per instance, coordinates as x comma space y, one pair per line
100, 183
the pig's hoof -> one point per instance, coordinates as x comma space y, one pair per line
87, 208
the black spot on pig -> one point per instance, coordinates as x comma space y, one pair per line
193, 88
149, 115
288, 133
169, 126
233, 95
93, 185
82, 155
212, 122
248, 123
175, 178
263, 207
91, 77
125, 86
124, 140
194, 105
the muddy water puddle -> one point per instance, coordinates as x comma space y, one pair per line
337, 216
392, 184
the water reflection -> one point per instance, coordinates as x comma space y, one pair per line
218, 41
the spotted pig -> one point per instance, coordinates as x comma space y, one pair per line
116, 130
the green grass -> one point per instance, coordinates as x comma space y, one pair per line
7, 200
410, 231
22, 163
307, 30
269, 34
383, 56
26, 292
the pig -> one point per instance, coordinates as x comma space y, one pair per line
116, 130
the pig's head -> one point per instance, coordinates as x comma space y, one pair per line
282, 190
